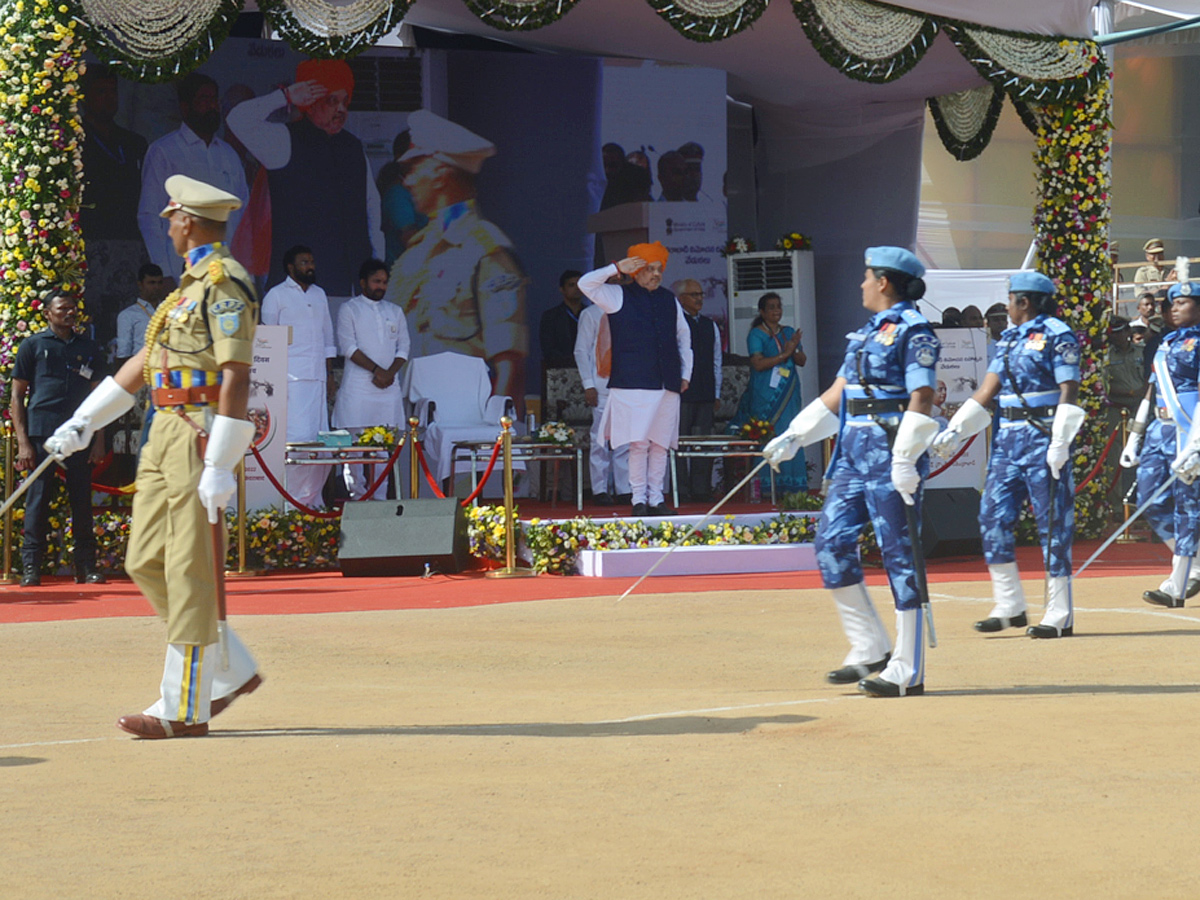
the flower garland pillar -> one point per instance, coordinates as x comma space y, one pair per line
41, 169
1071, 224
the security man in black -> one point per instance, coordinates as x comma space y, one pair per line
54, 371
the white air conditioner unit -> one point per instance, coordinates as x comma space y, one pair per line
788, 273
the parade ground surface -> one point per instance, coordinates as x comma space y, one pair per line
465, 737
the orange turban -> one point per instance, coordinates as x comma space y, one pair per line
334, 74
651, 253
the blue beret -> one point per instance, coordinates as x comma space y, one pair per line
1028, 280
895, 258
1186, 289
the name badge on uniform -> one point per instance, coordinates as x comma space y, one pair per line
85, 372
887, 334
1035, 341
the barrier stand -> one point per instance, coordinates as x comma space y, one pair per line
510, 569
242, 571
1127, 537
9, 444
414, 475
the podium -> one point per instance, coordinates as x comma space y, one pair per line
618, 228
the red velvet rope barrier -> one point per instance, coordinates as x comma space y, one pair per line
487, 473
955, 457
387, 467
437, 491
315, 513
1100, 462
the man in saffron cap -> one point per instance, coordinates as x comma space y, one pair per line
651, 367
322, 192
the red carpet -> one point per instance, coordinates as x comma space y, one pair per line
325, 592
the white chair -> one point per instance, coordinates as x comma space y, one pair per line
451, 396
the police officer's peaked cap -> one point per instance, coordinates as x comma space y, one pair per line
896, 258
1184, 289
443, 140
1154, 245
1031, 281
199, 199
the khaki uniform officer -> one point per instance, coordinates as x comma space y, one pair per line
197, 362
459, 282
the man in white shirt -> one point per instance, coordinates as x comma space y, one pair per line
300, 304
603, 461
651, 366
133, 319
193, 150
313, 165
373, 338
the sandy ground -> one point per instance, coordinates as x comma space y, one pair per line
669, 746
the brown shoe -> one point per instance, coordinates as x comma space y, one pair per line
222, 703
152, 728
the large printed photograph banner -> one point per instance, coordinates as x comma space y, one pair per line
477, 203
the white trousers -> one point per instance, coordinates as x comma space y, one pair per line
308, 416
604, 463
193, 678
647, 472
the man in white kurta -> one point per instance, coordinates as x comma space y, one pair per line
300, 304
604, 462
373, 338
643, 399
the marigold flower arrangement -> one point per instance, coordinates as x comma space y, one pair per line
756, 430
794, 240
378, 436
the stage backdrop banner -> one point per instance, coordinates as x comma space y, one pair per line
268, 412
694, 233
960, 371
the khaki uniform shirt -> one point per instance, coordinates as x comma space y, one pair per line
461, 288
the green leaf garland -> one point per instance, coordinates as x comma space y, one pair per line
709, 21
894, 55
325, 31
965, 133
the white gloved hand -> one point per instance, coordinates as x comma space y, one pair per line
108, 402
227, 442
970, 419
1131, 452
913, 437
1068, 419
813, 423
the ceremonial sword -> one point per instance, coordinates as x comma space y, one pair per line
712, 512
30, 479
1125, 525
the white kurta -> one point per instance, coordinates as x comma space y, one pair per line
601, 459
633, 414
307, 314
378, 329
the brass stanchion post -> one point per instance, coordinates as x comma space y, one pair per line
414, 464
1127, 537
510, 569
241, 525
9, 444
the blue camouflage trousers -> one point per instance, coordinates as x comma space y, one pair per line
861, 491
1154, 467
1018, 470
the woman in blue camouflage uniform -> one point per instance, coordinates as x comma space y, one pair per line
1175, 515
1035, 373
879, 406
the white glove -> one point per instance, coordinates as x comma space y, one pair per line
227, 442
1131, 452
972, 417
813, 423
108, 402
1068, 419
915, 434
1187, 461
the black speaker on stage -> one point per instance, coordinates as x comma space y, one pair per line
398, 537
950, 523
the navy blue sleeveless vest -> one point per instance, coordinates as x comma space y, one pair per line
703, 386
319, 199
644, 352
